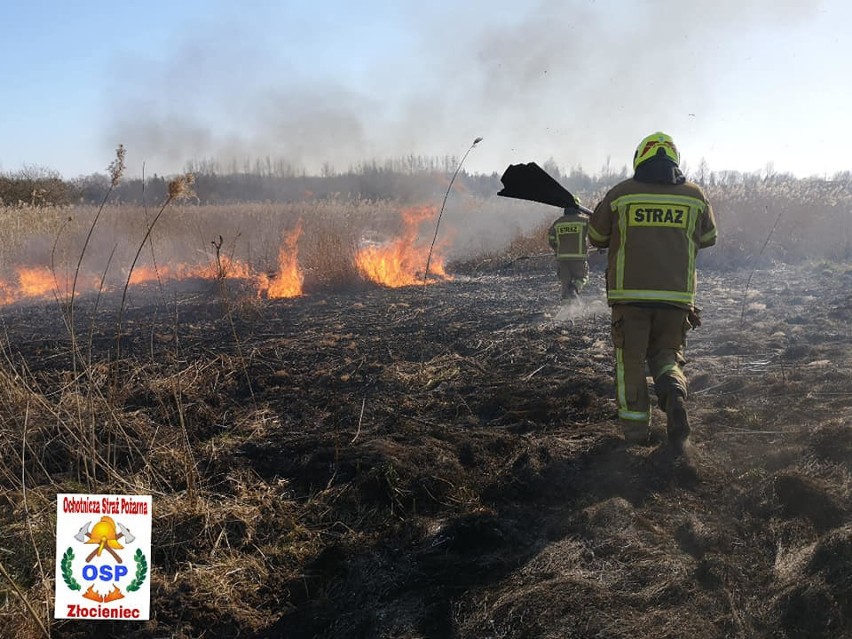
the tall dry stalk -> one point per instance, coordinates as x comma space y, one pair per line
444, 204
179, 188
116, 170
151, 242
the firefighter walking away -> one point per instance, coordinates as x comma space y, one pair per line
567, 237
653, 225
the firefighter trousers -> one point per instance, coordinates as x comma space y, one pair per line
573, 275
655, 336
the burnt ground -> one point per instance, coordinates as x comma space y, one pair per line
443, 462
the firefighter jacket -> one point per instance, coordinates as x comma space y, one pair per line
567, 235
653, 232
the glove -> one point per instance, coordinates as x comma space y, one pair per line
694, 317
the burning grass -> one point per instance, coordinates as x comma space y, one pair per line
276, 250
401, 261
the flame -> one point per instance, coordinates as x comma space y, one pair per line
93, 594
226, 267
38, 282
32, 282
35, 282
114, 594
29, 283
288, 281
398, 262
144, 273
401, 262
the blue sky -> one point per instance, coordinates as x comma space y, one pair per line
738, 84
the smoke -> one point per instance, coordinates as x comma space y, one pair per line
579, 82
580, 309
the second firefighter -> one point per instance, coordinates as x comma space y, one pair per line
567, 237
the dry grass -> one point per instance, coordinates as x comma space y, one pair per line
814, 224
210, 541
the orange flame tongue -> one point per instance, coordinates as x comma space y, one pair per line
92, 594
400, 262
114, 594
145, 273
288, 281
35, 282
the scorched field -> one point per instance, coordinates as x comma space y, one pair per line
439, 460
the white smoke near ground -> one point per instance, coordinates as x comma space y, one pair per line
583, 308
580, 82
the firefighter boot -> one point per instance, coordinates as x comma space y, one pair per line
677, 422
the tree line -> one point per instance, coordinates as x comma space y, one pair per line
410, 179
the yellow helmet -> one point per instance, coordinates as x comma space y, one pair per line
103, 533
656, 144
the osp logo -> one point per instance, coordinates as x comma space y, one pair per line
103, 571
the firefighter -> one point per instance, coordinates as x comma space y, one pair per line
653, 225
567, 237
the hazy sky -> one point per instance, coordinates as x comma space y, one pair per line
739, 83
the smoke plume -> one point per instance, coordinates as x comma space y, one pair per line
580, 82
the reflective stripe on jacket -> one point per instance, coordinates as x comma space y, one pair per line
653, 232
567, 236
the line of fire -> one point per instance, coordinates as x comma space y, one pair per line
386, 261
